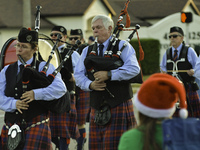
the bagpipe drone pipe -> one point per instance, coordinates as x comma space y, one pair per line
33, 79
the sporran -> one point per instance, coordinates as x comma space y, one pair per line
16, 138
103, 116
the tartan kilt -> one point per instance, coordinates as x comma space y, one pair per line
107, 137
194, 103
83, 106
58, 125
72, 120
36, 138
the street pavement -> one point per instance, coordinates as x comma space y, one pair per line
1, 119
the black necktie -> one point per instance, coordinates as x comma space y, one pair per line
175, 55
20, 72
101, 50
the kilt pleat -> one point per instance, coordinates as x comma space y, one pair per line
72, 120
83, 106
58, 125
194, 103
107, 137
65, 124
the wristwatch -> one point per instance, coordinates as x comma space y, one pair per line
109, 74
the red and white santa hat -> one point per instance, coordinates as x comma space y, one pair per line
158, 95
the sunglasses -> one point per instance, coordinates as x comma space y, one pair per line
75, 38
54, 34
174, 36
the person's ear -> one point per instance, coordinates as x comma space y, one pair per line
182, 38
35, 49
110, 29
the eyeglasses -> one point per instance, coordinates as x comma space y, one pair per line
75, 38
18, 46
174, 36
54, 34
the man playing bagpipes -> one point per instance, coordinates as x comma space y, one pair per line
26, 120
64, 126
110, 92
179, 61
82, 97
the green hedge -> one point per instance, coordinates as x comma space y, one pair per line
151, 48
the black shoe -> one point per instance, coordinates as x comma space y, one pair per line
81, 147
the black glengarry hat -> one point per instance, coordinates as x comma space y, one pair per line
76, 32
60, 29
27, 36
177, 29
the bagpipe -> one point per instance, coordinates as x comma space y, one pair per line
112, 61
